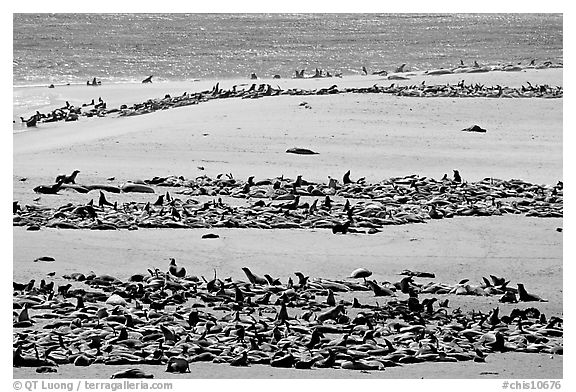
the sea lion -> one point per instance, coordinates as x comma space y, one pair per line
137, 188
45, 258
148, 79
302, 280
360, 273
71, 179
378, 290
102, 201
341, 228
179, 272
178, 365
524, 296
440, 71
396, 77
241, 360
254, 279
46, 369
346, 179
74, 187
132, 373
282, 360
474, 128
400, 68
331, 314
300, 151
457, 177
327, 362
49, 189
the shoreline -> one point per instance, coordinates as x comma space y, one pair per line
451, 69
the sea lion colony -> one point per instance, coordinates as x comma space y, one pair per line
284, 203
160, 319
459, 90
174, 319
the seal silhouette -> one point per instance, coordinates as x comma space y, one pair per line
253, 278
71, 179
49, 189
179, 272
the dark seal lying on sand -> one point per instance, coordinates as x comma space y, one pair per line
300, 151
474, 128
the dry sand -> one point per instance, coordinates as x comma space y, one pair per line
375, 136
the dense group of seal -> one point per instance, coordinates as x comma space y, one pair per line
158, 318
284, 203
458, 90
423, 90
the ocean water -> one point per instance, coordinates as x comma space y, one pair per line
73, 48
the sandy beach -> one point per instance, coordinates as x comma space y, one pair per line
376, 136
